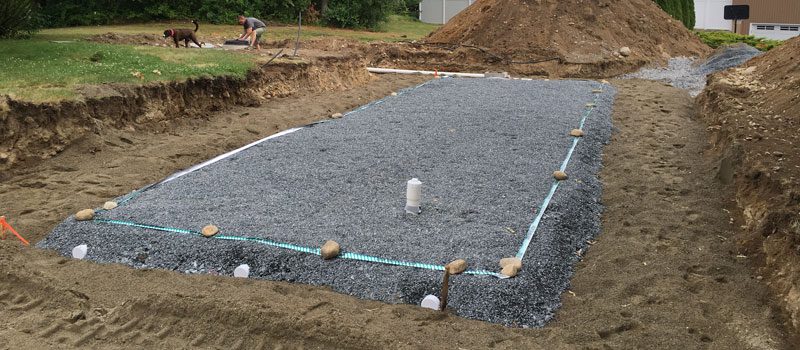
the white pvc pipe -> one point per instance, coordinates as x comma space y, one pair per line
226, 155
425, 72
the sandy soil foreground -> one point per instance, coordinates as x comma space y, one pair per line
665, 273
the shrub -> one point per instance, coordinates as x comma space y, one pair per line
357, 13
18, 19
97, 12
716, 39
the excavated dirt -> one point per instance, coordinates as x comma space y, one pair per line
586, 36
754, 113
34, 131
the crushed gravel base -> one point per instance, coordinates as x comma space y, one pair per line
485, 150
690, 74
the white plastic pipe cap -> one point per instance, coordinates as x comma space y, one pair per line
413, 196
79, 252
430, 302
242, 271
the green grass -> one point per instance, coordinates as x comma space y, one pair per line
37, 70
397, 28
716, 39
40, 70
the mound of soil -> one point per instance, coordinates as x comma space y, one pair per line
575, 31
755, 114
130, 39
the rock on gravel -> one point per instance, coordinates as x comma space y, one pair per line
209, 231
330, 250
84, 215
511, 261
456, 267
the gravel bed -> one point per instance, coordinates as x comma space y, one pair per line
485, 150
690, 74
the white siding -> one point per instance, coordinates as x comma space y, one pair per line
441, 11
710, 14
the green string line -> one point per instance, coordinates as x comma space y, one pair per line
298, 248
523, 248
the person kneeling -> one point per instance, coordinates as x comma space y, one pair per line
253, 29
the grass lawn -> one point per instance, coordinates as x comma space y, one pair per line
41, 70
398, 28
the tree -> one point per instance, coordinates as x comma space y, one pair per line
682, 10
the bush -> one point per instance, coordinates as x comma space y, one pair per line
357, 13
716, 39
98, 12
18, 19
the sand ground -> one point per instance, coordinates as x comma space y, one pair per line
664, 274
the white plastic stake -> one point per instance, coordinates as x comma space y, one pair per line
242, 271
79, 252
413, 196
430, 302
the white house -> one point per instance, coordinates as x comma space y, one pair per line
441, 11
709, 14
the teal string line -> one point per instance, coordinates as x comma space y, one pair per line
295, 247
523, 249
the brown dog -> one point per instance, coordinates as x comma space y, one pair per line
183, 34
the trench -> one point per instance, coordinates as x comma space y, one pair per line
31, 132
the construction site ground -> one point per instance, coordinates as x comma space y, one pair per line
664, 273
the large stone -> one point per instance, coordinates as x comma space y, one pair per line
210, 231
516, 262
109, 205
625, 51
330, 250
560, 175
456, 267
576, 133
510, 270
84, 215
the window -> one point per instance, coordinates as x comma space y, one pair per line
790, 28
764, 27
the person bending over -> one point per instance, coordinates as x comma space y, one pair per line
253, 29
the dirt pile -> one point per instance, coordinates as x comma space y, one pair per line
31, 131
754, 112
580, 32
131, 39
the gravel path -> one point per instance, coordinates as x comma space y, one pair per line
690, 74
485, 150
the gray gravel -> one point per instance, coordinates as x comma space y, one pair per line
485, 150
690, 74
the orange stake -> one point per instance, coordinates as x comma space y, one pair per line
4, 225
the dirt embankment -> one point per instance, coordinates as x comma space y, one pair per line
754, 114
35, 131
